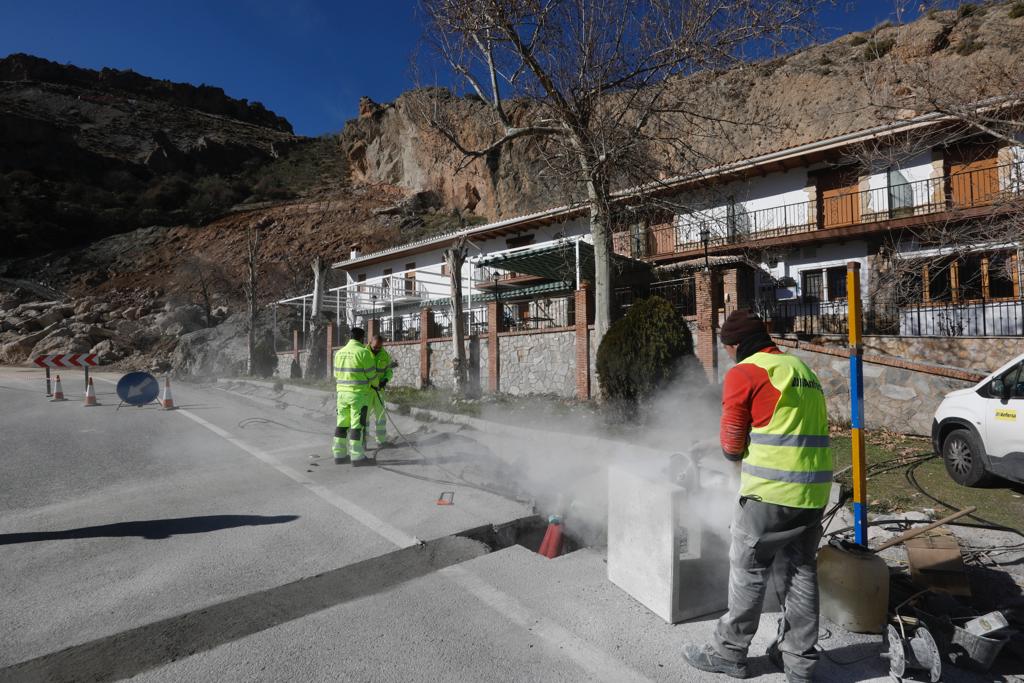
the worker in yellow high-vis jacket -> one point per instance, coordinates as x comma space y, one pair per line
775, 427
384, 374
354, 369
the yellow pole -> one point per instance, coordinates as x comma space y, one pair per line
855, 325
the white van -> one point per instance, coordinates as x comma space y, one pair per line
979, 432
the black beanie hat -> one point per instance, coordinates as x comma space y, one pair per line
741, 324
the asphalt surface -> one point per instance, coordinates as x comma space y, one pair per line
220, 542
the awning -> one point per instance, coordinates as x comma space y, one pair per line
556, 260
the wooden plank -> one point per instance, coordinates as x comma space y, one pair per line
936, 564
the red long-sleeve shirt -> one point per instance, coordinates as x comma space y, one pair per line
748, 400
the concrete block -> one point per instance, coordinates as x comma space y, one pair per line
667, 546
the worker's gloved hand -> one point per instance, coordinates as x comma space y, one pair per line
706, 447
383, 384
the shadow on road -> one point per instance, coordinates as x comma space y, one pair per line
152, 529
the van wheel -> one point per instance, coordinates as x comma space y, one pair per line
962, 454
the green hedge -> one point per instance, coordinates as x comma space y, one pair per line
642, 351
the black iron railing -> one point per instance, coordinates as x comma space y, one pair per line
681, 293
974, 318
965, 190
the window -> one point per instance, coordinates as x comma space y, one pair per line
939, 278
361, 278
410, 279
812, 285
969, 276
521, 241
1014, 378
901, 195
836, 283
1001, 272
386, 282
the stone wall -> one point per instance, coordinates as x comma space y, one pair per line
981, 354
284, 363
407, 374
441, 355
897, 399
543, 363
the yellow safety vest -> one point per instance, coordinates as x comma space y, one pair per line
383, 362
354, 368
788, 461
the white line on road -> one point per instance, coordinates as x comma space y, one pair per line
367, 519
598, 663
595, 661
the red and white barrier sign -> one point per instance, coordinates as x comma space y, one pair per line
66, 360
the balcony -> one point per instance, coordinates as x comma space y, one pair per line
978, 189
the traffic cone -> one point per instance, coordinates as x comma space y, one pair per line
167, 401
58, 390
551, 546
90, 395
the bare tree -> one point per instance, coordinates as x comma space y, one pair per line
316, 361
208, 279
250, 287
455, 258
598, 86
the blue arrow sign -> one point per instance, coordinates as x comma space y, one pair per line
138, 388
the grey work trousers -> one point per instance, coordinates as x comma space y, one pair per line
773, 544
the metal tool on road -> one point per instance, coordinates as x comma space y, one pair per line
446, 498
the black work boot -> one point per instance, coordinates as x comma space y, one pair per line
342, 461
774, 655
364, 462
707, 659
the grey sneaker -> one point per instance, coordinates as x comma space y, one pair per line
706, 659
774, 655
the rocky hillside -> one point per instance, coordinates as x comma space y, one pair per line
852, 83
121, 195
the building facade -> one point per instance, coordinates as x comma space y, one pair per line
931, 211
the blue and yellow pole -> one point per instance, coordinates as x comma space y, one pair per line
855, 325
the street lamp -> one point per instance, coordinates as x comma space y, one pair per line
705, 238
373, 306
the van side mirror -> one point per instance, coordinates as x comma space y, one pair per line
1006, 391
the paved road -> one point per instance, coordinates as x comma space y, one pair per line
211, 543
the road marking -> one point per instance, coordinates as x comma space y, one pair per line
595, 661
367, 519
599, 663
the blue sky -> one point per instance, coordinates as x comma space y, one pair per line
307, 60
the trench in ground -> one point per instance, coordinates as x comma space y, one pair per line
525, 531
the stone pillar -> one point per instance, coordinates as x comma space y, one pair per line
426, 322
582, 302
706, 343
371, 329
493, 364
330, 351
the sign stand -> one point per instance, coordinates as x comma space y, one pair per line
65, 360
